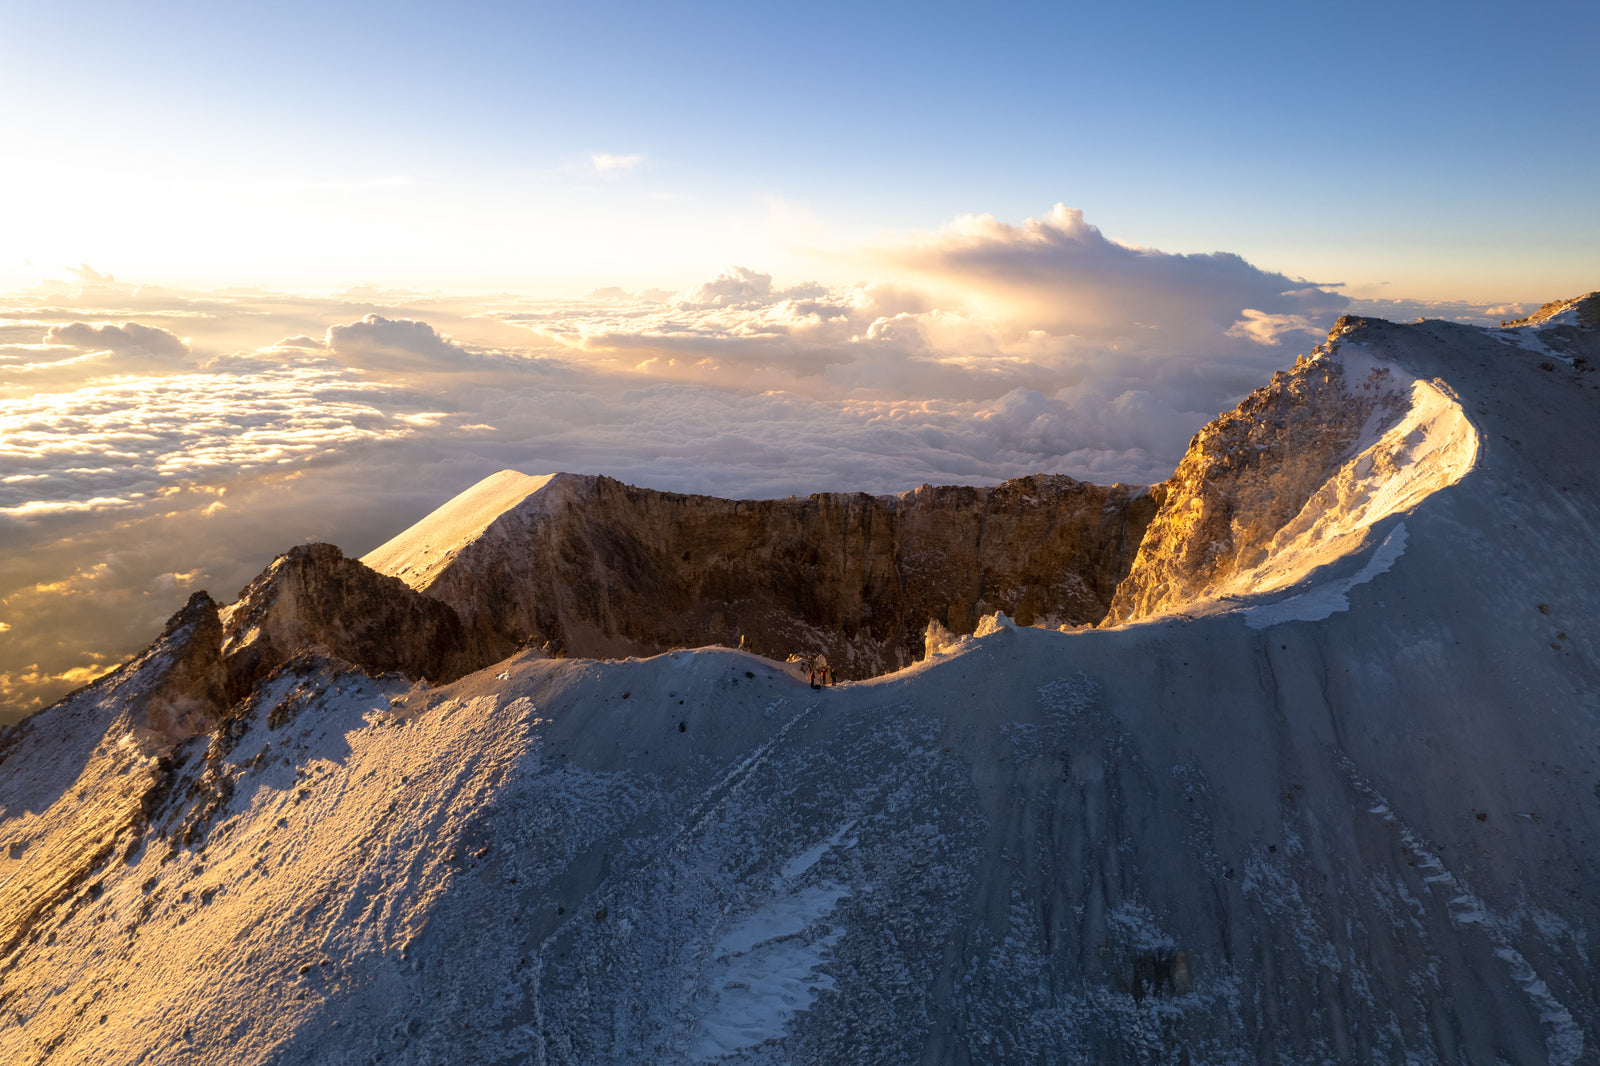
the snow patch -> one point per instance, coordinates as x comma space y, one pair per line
1325, 600
1433, 446
813, 855
417, 555
766, 971
1527, 338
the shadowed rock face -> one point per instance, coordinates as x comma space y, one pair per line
310, 599
598, 568
178, 686
314, 597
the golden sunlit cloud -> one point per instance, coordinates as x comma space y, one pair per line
72, 585
32, 677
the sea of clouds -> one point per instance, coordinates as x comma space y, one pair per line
155, 441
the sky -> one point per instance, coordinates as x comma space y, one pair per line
288, 273
1418, 150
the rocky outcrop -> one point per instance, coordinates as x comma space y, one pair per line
1585, 313
598, 568
117, 766
1251, 471
312, 597
180, 685
1569, 329
1301, 471
194, 680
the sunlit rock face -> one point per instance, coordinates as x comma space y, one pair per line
1297, 475
595, 567
1565, 327
1245, 475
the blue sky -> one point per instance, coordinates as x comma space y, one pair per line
1449, 150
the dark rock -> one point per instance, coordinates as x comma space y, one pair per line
602, 569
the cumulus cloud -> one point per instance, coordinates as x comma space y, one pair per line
1136, 347
394, 344
1263, 328
1507, 312
129, 335
1068, 277
739, 287
88, 275
303, 343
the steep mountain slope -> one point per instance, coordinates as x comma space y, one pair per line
1352, 818
1296, 477
312, 596
595, 567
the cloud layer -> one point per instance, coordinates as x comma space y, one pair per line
110, 446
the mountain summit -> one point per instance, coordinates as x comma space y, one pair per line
1297, 761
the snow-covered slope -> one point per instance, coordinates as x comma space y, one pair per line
418, 555
1351, 819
